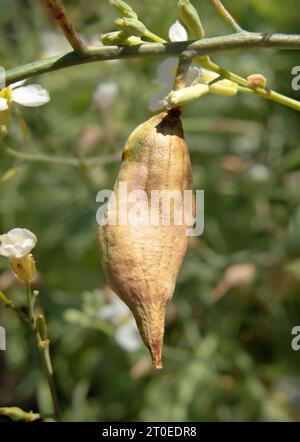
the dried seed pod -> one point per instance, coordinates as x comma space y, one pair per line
142, 262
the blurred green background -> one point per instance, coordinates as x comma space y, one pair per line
227, 349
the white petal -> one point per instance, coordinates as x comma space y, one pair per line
177, 32
31, 95
158, 101
127, 336
17, 84
194, 74
3, 104
166, 71
105, 94
17, 243
165, 75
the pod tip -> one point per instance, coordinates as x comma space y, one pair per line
157, 364
156, 355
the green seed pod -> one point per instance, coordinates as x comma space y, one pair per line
190, 18
142, 262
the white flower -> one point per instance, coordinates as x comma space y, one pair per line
105, 94
126, 332
177, 32
17, 243
166, 72
31, 95
165, 77
167, 69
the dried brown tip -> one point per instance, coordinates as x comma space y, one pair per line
174, 112
156, 355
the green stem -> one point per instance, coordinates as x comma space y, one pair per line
44, 354
245, 87
274, 96
183, 66
226, 15
63, 161
30, 306
9, 304
197, 48
47, 364
153, 37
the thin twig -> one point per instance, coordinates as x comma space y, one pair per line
226, 15
58, 13
200, 47
44, 354
244, 86
9, 304
63, 161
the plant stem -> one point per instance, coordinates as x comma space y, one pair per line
226, 15
273, 96
44, 354
9, 304
30, 306
184, 63
47, 364
246, 87
63, 161
153, 37
197, 48
58, 13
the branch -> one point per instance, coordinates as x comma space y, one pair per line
43, 348
202, 47
9, 304
63, 161
57, 12
184, 64
226, 15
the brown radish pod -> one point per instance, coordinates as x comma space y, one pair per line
142, 261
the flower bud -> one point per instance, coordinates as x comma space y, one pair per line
24, 268
257, 80
132, 26
207, 76
42, 328
190, 18
183, 96
224, 87
124, 9
112, 38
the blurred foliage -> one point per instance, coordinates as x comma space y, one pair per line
226, 358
